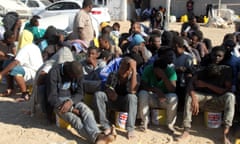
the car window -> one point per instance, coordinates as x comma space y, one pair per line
46, 2
100, 2
64, 6
32, 3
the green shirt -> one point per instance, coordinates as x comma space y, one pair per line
37, 32
149, 77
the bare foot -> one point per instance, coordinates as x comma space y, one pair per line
131, 135
184, 136
113, 132
104, 139
226, 140
107, 131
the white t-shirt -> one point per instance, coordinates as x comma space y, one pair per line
2, 31
30, 59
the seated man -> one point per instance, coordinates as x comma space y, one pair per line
25, 65
7, 54
65, 93
91, 69
158, 89
211, 89
105, 45
33, 27
120, 94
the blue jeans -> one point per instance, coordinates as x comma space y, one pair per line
85, 124
149, 100
210, 102
126, 103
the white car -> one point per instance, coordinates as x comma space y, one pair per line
14, 6
62, 22
36, 5
71, 7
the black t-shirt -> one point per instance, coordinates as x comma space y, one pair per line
225, 76
6, 48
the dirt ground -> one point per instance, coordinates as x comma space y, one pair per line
18, 127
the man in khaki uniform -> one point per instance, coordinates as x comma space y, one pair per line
82, 26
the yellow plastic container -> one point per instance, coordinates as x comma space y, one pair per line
184, 18
205, 19
213, 119
158, 116
62, 123
29, 88
88, 99
237, 141
121, 120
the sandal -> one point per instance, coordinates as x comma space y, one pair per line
7, 93
25, 97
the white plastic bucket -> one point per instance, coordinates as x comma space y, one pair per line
121, 119
213, 119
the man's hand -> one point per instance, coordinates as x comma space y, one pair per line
112, 95
66, 106
160, 73
0, 77
135, 49
18, 24
158, 92
182, 68
92, 61
76, 111
200, 84
162, 99
195, 107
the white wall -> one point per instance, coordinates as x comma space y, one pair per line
178, 7
117, 9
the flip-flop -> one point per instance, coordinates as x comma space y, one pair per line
25, 97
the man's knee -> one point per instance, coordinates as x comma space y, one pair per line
143, 95
132, 98
172, 98
83, 108
99, 95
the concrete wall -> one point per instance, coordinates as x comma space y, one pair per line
117, 9
178, 7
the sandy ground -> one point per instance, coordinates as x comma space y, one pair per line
18, 127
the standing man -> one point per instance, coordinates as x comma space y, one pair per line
138, 9
189, 6
82, 26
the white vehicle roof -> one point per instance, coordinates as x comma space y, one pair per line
14, 5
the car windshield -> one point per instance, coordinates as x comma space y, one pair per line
64, 6
45, 2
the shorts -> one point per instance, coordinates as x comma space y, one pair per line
17, 71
